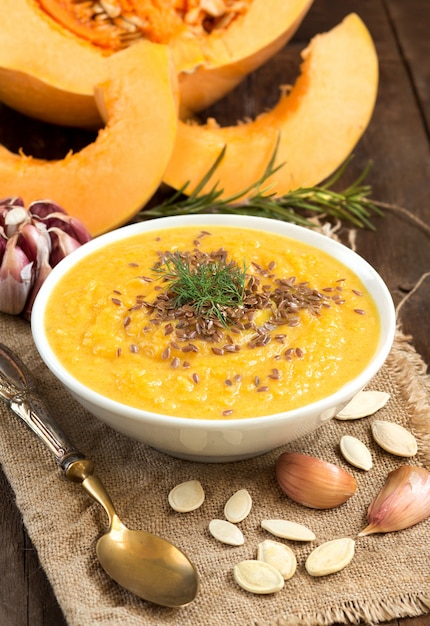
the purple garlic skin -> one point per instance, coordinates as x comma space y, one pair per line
32, 242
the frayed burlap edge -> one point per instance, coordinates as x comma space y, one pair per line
383, 610
414, 384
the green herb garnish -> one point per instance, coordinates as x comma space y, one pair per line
210, 286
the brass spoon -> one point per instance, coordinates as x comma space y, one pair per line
147, 565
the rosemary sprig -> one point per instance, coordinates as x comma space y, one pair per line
352, 205
211, 287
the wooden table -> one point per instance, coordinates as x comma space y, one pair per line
397, 141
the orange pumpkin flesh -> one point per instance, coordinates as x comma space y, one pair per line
45, 72
108, 181
318, 123
231, 54
51, 77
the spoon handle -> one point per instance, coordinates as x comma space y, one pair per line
17, 388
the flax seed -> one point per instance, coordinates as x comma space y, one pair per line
127, 321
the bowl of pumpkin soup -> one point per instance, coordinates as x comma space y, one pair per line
213, 337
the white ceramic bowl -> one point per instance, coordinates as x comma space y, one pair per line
218, 440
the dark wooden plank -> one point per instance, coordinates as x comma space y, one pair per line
414, 46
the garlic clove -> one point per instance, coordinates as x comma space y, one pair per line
356, 452
54, 216
363, 404
313, 482
62, 245
258, 577
238, 507
285, 529
330, 557
226, 532
187, 496
279, 556
16, 276
402, 502
15, 218
394, 438
38, 248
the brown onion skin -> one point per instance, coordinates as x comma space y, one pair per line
313, 482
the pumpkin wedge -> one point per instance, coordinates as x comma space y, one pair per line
109, 180
49, 62
232, 53
317, 123
45, 72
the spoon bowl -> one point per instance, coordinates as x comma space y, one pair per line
168, 578
145, 564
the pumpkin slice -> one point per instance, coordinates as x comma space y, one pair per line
232, 53
109, 180
49, 64
318, 123
45, 72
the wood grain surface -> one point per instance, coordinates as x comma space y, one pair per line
397, 142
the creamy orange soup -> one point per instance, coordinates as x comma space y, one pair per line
308, 326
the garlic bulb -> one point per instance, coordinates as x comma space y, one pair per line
32, 242
313, 482
403, 501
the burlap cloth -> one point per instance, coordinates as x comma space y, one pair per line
389, 576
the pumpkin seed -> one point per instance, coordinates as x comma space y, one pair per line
363, 404
186, 496
287, 530
279, 556
356, 452
258, 577
226, 532
394, 438
238, 506
330, 557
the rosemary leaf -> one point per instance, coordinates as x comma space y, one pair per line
353, 205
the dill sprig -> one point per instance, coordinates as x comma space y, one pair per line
352, 205
210, 286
